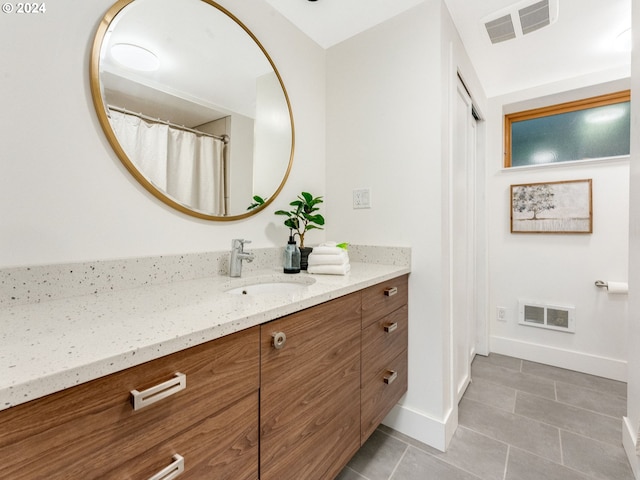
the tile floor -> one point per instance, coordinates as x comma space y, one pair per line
518, 420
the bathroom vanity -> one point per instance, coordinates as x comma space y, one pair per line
281, 396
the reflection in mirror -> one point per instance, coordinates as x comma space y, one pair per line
193, 105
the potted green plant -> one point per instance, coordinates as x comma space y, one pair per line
302, 218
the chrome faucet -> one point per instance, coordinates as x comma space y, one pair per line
237, 256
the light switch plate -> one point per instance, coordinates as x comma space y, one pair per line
362, 198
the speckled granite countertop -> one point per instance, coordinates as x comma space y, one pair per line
52, 345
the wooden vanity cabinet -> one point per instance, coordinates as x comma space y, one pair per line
310, 392
92, 431
256, 405
384, 351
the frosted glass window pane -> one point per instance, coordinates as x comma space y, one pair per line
598, 132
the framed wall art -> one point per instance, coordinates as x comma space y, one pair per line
552, 207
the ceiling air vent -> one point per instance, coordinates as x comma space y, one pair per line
520, 19
534, 16
500, 29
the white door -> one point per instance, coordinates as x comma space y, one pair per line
463, 286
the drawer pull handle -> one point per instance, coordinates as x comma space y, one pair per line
391, 377
154, 394
172, 471
391, 327
279, 338
390, 291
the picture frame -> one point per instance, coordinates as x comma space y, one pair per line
552, 207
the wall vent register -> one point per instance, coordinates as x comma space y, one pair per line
552, 317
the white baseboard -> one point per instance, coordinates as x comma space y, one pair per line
418, 425
558, 357
630, 447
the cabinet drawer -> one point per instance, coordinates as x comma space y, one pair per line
383, 298
382, 393
79, 432
223, 446
382, 342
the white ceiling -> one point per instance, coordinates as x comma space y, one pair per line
579, 43
329, 22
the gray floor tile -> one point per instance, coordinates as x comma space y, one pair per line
512, 427
468, 450
500, 361
612, 387
418, 465
408, 440
378, 457
523, 432
491, 393
476, 453
599, 459
510, 378
348, 474
596, 401
567, 417
526, 466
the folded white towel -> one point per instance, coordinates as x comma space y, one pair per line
335, 259
330, 269
327, 250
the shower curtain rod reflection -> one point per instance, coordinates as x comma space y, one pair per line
224, 138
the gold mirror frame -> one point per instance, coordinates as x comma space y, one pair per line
99, 104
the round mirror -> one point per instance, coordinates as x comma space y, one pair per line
193, 105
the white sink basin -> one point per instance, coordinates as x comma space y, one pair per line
271, 287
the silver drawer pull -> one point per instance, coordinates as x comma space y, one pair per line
172, 471
279, 338
390, 291
391, 377
391, 327
154, 394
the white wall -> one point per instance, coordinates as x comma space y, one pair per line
387, 130
560, 269
64, 194
631, 425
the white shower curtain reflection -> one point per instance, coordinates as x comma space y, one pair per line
187, 167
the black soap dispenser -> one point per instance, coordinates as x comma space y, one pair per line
291, 256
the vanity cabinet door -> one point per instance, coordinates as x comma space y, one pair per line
310, 391
92, 431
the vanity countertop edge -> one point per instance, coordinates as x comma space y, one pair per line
49, 346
